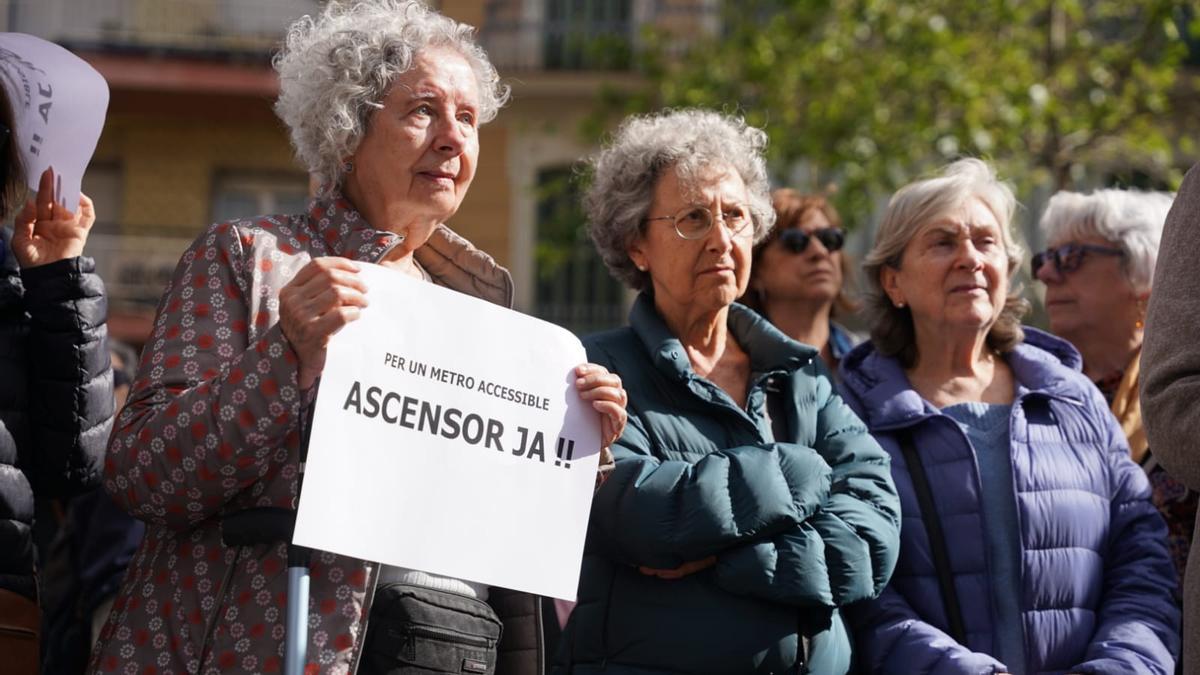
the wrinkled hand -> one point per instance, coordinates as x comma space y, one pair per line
681, 571
323, 297
45, 232
608, 397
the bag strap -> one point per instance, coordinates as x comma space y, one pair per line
936, 536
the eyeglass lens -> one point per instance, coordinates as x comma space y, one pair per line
694, 223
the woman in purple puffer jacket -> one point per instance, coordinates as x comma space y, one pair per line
1029, 543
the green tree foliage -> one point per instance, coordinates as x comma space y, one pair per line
870, 93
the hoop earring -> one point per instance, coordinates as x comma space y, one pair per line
347, 166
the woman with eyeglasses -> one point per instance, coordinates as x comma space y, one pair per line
1098, 271
798, 273
748, 504
1029, 543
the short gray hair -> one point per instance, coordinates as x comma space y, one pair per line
626, 172
910, 208
336, 69
1131, 219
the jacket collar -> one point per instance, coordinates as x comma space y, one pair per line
451, 260
769, 350
1042, 365
841, 341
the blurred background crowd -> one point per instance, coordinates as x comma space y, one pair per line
857, 98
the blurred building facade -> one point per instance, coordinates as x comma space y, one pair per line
191, 139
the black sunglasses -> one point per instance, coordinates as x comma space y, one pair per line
796, 240
1068, 257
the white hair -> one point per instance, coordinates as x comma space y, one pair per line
643, 149
336, 69
1130, 219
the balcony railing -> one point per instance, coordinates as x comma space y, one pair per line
559, 35
580, 39
225, 27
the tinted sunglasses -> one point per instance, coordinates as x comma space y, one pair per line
1068, 257
796, 240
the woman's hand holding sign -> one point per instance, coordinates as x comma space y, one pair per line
608, 397
45, 232
323, 297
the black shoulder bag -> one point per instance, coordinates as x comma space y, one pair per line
936, 536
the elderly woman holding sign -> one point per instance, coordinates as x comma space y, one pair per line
383, 100
748, 504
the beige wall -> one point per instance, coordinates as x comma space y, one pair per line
170, 148
467, 11
484, 215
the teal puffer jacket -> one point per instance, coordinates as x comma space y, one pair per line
800, 526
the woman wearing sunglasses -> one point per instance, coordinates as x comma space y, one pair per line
1098, 271
797, 275
1029, 543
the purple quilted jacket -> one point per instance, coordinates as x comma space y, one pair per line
1096, 579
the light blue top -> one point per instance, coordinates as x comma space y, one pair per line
986, 426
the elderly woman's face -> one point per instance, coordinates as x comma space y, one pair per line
954, 272
703, 274
813, 275
417, 157
1088, 288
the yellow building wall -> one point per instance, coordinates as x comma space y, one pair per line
467, 11
484, 215
168, 166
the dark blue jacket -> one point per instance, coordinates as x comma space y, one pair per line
799, 525
1096, 583
56, 404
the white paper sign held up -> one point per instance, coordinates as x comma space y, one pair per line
58, 103
448, 437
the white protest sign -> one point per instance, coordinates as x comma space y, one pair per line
448, 437
59, 103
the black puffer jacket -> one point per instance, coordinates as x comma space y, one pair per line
56, 405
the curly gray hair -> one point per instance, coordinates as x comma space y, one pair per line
626, 172
1131, 219
912, 207
336, 69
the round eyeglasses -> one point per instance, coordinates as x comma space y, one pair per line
1068, 257
796, 240
694, 222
